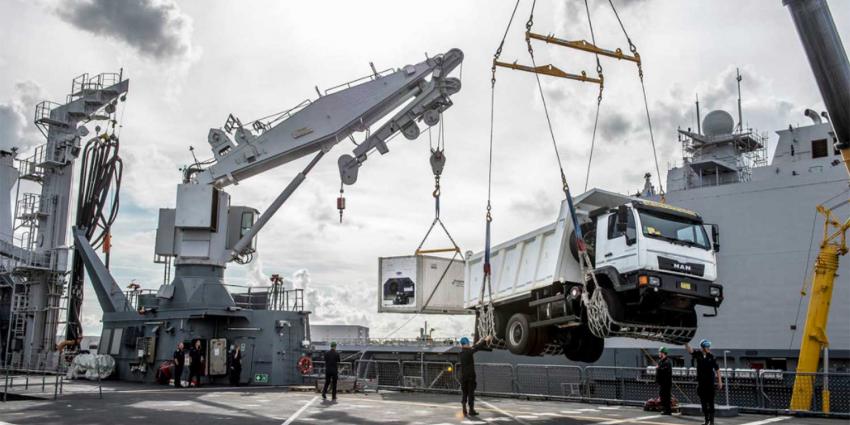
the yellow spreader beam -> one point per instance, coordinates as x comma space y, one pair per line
551, 70
586, 46
435, 251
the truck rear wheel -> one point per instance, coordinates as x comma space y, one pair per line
541, 339
591, 348
581, 345
501, 319
519, 336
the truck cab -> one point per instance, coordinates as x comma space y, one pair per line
659, 259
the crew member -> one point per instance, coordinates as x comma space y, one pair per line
708, 375
467, 372
331, 372
664, 378
235, 364
196, 362
179, 361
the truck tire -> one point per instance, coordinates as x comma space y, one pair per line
519, 336
591, 348
615, 306
588, 230
501, 319
571, 343
580, 345
689, 319
541, 339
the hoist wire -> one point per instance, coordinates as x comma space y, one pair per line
652, 138
806, 275
488, 217
805, 280
493, 104
545, 107
598, 99
633, 49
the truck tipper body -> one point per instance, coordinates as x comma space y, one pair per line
652, 264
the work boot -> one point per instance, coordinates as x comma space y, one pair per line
472, 412
465, 413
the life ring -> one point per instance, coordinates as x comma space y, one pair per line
305, 365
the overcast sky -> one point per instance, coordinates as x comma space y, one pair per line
192, 63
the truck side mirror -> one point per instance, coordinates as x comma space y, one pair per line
715, 237
622, 219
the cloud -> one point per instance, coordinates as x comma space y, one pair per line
16, 129
538, 205
615, 127
156, 28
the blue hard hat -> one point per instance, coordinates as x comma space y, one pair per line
705, 343
464, 341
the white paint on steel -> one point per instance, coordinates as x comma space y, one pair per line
300, 411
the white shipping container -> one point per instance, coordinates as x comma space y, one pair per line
405, 283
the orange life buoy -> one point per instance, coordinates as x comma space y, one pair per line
305, 365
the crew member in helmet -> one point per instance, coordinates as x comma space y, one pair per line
664, 378
708, 378
467, 372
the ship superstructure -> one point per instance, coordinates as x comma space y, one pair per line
771, 230
34, 250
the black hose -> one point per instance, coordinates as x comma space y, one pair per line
100, 176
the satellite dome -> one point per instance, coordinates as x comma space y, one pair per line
717, 123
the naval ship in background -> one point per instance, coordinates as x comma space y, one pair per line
769, 230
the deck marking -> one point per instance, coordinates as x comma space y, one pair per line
490, 405
627, 420
767, 421
609, 407
300, 411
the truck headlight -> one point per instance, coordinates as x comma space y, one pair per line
654, 281
714, 291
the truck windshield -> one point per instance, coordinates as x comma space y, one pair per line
673, 229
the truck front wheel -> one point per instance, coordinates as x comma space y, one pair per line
519, 336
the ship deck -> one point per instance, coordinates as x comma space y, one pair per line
129, 403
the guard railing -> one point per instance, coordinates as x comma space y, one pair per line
750, 390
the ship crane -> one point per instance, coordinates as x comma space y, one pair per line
204, 232
831, 69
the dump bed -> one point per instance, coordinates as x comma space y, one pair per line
535, 259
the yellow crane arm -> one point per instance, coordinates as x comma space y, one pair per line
834, 245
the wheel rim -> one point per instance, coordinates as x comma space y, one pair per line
515, 333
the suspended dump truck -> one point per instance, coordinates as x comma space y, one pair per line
652, 265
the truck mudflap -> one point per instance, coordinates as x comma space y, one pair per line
602, 325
